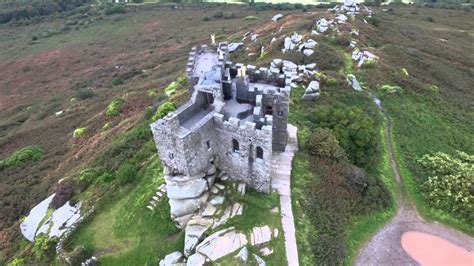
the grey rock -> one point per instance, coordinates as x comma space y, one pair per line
194, 232
217, 200
243, 255
308, 52
172, 259
186, 190
181, 207
235, 46
260, 235
221, 243
266, 251
196, 260
219, 186
210, 210
260, 261
277, 17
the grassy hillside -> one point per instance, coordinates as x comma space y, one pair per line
108, 72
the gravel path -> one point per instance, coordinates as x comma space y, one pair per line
281, 172
385, 247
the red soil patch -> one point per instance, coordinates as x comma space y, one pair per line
428, 249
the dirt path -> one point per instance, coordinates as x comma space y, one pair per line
281, 171
385, 247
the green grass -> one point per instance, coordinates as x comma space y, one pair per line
126, 231
423, 125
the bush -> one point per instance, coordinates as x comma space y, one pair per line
163, 110
205, 18
44, 248
355, 131
127, 173
79, 132
114, 108
84, 93
323, 144
117, 81
114, 9
450, 183
429, 19
218, 14
22, 156
343, 39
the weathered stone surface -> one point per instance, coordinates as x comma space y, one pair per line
181, 207
260, 261
214, 190
171, 259
237, 209
186, 190
266, 251
210, 210
221, 243
260, 235
224, 218
219, 186
194, 231
277, 17
308, 52
217, 200
241, 188
196, 260
243, 255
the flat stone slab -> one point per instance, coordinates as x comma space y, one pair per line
221, 243
260, 235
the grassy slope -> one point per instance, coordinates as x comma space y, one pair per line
127, 233
426, 120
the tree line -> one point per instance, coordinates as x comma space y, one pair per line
27, 9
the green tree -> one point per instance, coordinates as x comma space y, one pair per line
324, 144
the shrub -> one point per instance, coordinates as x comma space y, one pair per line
343, 39
22, 156
205, 18
105, 127
114, 9
229, 15
79, 132
163, 110
429, 19
391, 88
17, 261
218, 14
44, 248
117, 81
355, 131
77, 256
114, 108
84, 93
450, 183
322, 143
331, 82
126, 173
152, 93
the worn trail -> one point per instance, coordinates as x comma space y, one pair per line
385, 246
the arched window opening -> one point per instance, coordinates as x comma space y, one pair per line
269, 110
235, 145
259, 152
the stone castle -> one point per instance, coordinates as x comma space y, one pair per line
237, 116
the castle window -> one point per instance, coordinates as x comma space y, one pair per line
235, 145
171, 156
259, 152
269, 110
280, 113
208, 143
